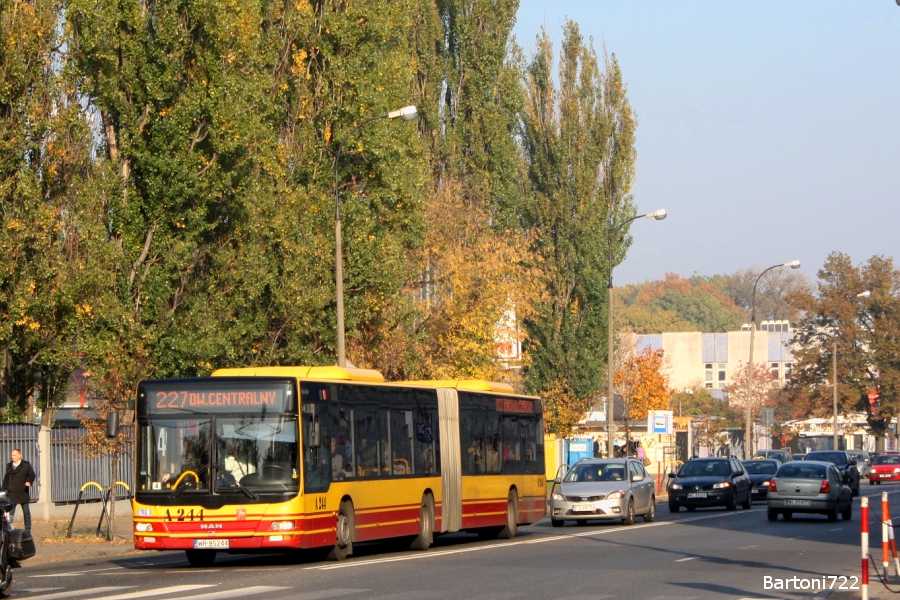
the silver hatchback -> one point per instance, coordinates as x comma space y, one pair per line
601, 489
809, 487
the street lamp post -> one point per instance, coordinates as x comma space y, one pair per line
748, 439
407, 113
834, 425
659, 215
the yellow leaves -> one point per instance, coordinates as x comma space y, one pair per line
328, 133
84, 310
14, 225
639, 378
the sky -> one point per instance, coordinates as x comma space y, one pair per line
769, 130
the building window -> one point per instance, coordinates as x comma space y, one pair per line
721, 378
709, 375
787, 370
774, 371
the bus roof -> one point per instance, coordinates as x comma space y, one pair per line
332, 372
477, 385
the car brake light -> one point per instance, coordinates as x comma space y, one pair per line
825, 488
772, 486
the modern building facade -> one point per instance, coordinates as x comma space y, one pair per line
711, 359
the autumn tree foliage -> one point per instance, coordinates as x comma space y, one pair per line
675, 304
713, 304
563, 411
761, 392
640, 379
863, 330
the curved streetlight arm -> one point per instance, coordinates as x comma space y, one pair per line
659, 215
407, 113
748, 426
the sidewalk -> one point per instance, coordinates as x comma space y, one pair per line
53, 545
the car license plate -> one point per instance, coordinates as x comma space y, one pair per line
211, 545
697, 495
583, 508
797, 502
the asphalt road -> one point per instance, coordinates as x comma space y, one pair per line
705, 554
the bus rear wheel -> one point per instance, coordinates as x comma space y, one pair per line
343, 544
426, 525
201, 558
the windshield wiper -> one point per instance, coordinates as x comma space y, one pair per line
178, 490
237, 484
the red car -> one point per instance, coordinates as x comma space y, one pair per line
885, 467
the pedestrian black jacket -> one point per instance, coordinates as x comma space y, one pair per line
14, 481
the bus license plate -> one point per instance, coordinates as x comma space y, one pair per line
583, 508
697, 495
211, 545
798, 503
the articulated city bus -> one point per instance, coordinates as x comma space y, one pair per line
285, 458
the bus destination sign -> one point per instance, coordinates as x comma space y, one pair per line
510, 405
163, 396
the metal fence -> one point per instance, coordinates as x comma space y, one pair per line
24, 437
73, 467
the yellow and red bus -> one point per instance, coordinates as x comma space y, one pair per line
271, 459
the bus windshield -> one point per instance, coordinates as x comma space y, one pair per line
223, 454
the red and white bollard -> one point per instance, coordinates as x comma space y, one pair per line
886, 516
864, 537
885, 537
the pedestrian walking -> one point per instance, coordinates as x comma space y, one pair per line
17, 483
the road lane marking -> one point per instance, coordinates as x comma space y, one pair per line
541, 540
687, 559
158, 592
70, 573
94, 592
241, 592
748, 547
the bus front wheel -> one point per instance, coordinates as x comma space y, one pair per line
343, 545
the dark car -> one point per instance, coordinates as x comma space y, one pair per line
704, 482
797, 456
809, 487
760, 470
843, 461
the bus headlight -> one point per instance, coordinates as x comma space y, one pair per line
282, 526
143, 527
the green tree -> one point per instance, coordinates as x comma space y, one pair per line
579, 148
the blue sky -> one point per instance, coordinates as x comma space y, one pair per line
769, 130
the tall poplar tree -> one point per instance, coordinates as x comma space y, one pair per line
44, 161
579, 147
